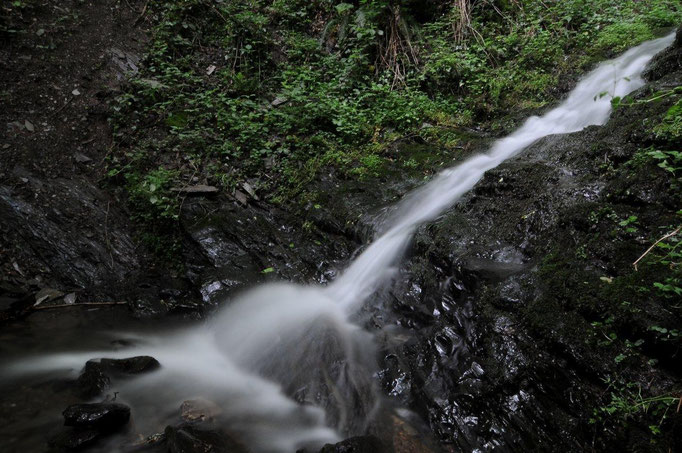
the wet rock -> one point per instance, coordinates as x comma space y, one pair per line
82, 158
47, 294
148, 308
96, 375
130, 366
45, 228
242, 241
360, 444
666, 62
199, 409
99, 416
192, 439
92, 380
150, 444
73, 439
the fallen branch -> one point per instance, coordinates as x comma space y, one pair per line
669, 235
88, 304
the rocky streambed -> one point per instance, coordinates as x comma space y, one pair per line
490, 338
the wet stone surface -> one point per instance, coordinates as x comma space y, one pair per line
361, 444
99, 416
73, 440
187, 438
494, 345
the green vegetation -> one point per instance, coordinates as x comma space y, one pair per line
627, 402
636, 309
275, 91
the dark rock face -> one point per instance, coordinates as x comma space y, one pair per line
667, 61
360, 444
73, 440
58, 225
488, 328
92, 380
130, 366
188, 438
246, 245
96, 375
99, 416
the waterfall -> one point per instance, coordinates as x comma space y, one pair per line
280, 345
586, 105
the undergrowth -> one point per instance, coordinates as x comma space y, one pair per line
273, 92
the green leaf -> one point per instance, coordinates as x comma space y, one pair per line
268, 270
343, 7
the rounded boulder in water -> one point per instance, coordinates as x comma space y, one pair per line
99, 416
92, 380
131, 365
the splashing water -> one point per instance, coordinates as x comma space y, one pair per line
281, 345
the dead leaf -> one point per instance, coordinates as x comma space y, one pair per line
241, 197
29, 126
250, 190
151, 83
16, 268
70, 298
210, 70
279, 100
47, 294
82, 158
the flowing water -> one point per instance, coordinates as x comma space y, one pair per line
284, 362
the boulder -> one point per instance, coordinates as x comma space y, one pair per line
131, 365
98, 416
359, 444
96, 375
92, 380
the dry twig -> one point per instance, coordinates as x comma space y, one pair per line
669, 235
144, 10
88, 304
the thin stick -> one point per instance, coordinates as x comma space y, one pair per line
106, 234
89, 304
144, 10
220, 14
63, 106
671, 234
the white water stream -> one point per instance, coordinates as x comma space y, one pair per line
583, 107
282, 340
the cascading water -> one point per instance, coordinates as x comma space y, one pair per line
281, 345
585, 106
